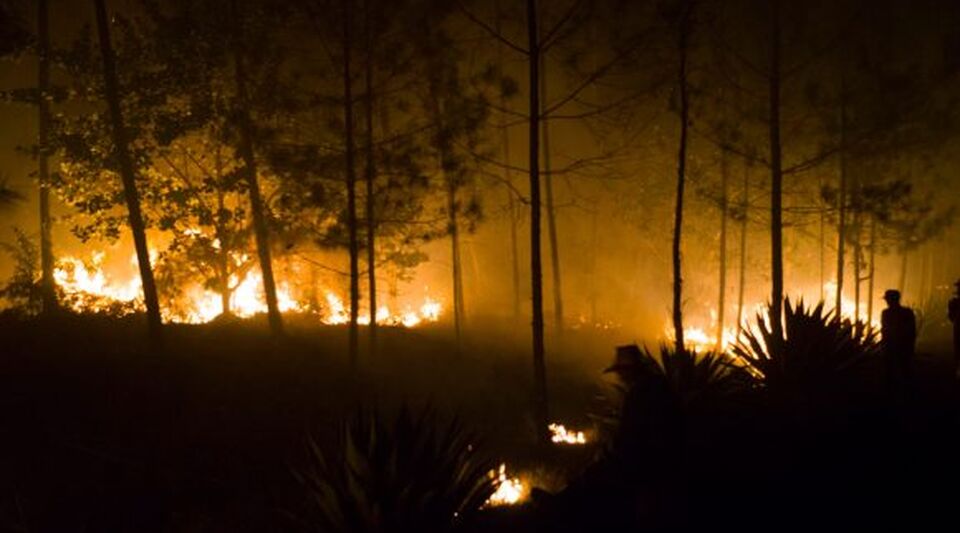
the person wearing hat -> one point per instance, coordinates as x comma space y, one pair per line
898, 334
953, 313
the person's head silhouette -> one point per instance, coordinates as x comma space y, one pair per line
892, 297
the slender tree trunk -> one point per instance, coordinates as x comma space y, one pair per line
922, 292
250, 176
873, 269
857, 205
351, 179
776, 180
48, 290
822, 246
857, 265
902, 284
541, 412
594, 251
722, 300
514, 251
370, 176
128, 176
741, 283
550, 205
842, 201
223, 256
453, 228
681, 183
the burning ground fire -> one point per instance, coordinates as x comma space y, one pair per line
698, 339
507, 490
90, 290
559, 434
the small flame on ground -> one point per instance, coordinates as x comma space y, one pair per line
507, 490
560, 435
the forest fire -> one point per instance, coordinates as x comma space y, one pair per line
89, 289
559, 434
702, 340
507, 490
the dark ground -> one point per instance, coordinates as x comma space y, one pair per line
100, 434
97, 431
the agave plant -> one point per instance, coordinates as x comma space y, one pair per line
416, 473
700, 378
817, 354
674, 397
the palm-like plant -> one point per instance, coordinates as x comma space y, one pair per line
417, 473
696, 379
676, 396
818, 354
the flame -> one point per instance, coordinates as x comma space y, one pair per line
560, 435
698, 339
507, 491
90, 289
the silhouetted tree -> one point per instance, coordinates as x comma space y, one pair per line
127, 172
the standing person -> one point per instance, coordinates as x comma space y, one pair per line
953, 313
898, 331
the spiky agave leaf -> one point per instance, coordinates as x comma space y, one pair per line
817, 352
695, 377
415, 473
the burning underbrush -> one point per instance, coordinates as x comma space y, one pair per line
87, 287
710, 333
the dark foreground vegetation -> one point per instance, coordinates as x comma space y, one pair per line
227, 430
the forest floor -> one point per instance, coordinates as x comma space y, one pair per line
96, 424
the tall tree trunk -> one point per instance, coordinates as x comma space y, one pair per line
923, 292
741, 283
550, 205
250, 177
902, 284
857, 223
541, 412
128, 175
842, 200
722, 300
681, 181
453, 228
822, 242
594, 252
776, 180
351, 179
48, 290
223, 256
370, 176
857, 265
873, 269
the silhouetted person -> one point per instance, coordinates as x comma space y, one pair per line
953, 312
898, 330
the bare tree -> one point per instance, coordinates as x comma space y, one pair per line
536, 267
776, 176
683, 42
